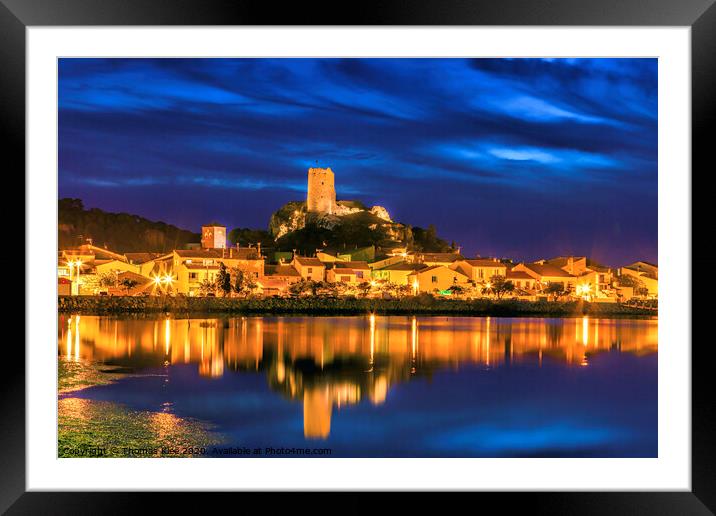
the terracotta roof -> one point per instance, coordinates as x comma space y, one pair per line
280, 270
561, 261
352, 265
310, 262
595, 266
403, 266
439, 257
548, 270
644, 262
432, 267
637, 266
485, 262
137, 258
133, 276
518, 275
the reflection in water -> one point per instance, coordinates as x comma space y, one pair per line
331, 362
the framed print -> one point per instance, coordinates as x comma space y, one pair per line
414, 250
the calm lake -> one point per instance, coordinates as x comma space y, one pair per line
389, 386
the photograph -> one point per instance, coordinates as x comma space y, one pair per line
375, 257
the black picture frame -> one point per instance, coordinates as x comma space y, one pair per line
700, 15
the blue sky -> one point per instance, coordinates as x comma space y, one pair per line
527, 158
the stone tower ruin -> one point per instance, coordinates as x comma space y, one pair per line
321, 191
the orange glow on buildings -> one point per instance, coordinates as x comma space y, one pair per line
354, 358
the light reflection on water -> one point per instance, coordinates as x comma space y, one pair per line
330, 363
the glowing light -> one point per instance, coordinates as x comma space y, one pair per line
372, 337
414, 343
167, 336
415, 286
585, 330
487, 342
584, 290
69, 340
77, 339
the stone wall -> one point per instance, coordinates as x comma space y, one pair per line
321, 196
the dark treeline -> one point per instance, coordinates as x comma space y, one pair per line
424, 304
119, 232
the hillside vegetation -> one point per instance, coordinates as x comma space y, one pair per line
120, 232
294, 228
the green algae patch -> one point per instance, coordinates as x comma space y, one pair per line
88, 428
75, 375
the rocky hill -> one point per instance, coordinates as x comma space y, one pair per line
352, 225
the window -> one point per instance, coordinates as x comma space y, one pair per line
193, 275
481, 273
310, 270
434, 279
345, 279
359, 274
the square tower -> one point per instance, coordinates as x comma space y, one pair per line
321, 191
213, 237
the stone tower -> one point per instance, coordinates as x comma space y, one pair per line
321, 191
213, 236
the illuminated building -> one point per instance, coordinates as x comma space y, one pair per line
213, 236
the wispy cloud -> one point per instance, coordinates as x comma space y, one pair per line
419, 134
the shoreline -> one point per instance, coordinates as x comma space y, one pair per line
96, 428
420, 305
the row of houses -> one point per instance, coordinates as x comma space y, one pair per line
94, 270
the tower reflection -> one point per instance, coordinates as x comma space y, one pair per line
332, 362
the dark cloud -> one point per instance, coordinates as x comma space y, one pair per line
523, 157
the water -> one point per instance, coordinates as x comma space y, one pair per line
393, 386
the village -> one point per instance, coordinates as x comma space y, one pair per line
213, 268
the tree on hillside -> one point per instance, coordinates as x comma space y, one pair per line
207, 287
326, 288
627, 280
501, 286
107, 279
128, 284
223, 280
119, 232
364, 289
426, 240
555, 289
245, 237
243, 283
458, 290
301, 287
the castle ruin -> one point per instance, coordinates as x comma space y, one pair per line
321, 191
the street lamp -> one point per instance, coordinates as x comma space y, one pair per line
168, 279
77, 264
584, 290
